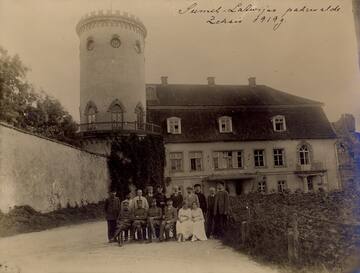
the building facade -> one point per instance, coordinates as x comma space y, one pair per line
253, 137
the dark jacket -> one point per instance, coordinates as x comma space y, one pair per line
150, 198
177, 200
139, 214
202, 202
112, 208
160, 200
211, 204
155, 212
221, 206
170, 214
125, 214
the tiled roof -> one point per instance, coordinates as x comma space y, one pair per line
218, 95
255, 124
251, 110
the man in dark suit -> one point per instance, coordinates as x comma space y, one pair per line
221, 209
160, 197
201, 197
210, 217
112, 209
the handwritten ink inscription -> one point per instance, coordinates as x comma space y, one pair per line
257, 15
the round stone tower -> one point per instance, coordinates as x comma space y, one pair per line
112, 77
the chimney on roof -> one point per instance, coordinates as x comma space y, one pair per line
348, 122
164, 80
252, 81
211, 80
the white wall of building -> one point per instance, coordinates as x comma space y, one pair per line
323, 151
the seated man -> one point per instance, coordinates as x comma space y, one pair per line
154, 219
169, 220
123, 222
139, 219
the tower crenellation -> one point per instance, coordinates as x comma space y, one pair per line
115, 17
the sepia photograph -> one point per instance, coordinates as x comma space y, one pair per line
193, 136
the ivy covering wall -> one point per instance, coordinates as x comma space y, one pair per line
138, 161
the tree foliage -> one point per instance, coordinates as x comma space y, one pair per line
138, 161
24, 108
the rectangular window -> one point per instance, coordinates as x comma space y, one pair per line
279, 160
176, 162
227, 156
228, 159
281, 185
216, 160
259, 158
279, 124
195, 161
174, 125
262, 188
225, 125
239, 159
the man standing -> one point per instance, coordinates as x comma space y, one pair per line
112, 208
221, 209
123, 222
139, 220
160, 197
177, 198
210, 213
169, 220
126, 202
191, 197
139, 196
153, 220
201, 197
149, 194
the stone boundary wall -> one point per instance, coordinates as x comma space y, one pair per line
47, 174
313, 229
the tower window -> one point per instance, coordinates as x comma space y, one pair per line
225, 125
137, 46
174, 125
115, 42
90, 44
279, 124
90, 114
140, 116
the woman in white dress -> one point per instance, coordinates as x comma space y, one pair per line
198, 220
184, 223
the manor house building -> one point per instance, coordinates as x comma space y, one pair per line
252, 136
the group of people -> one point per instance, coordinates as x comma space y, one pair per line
153, 215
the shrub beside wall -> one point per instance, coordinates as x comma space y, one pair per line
326, 226
22, 219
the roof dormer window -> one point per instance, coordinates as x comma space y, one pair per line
225, 124
174, 125
279, 123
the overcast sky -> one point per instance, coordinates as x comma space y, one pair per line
311, 54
